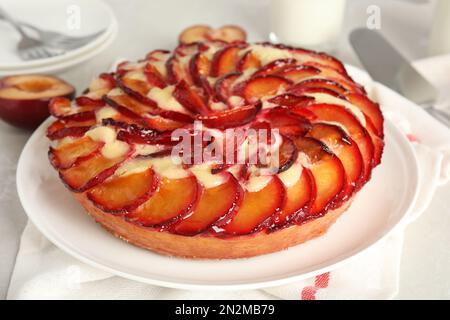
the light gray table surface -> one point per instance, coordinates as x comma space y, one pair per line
145, 25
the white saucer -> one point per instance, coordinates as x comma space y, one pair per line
93, 16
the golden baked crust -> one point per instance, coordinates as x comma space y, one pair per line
210, 247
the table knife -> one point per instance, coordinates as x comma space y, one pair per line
388, 66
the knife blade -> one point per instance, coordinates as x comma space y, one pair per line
388, 66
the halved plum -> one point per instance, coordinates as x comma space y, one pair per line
328, 172
122, 194
256, 208
173, 200
215, 204
24, 99
69, 154
345, 149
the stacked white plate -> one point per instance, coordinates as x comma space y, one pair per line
71, 17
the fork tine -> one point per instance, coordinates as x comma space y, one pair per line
29, 53
38, 53
43, 53
50, 53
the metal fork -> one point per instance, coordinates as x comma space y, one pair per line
29, 48
59, 40
55, 39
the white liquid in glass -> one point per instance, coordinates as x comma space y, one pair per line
440, 34
314, 24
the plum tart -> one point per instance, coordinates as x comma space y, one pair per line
162, 152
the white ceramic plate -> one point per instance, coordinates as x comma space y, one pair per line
377, 210
93, 16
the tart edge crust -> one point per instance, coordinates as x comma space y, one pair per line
211, 247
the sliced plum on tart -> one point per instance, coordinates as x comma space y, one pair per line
159, 210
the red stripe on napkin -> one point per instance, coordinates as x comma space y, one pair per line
412, 138
320, 282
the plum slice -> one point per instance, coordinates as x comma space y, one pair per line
199, 67
369, 108
173, 199
70, 154
225, 61
287, 155
90, 172
288, 123
190, 99
299, 72
263, 86
291, 100
123, 193
339, 114
154, 78
215, 204
328, 172
138, 89
231, 118
248, 61
378, 143
224, 85
321, 83
299, 198
275, 67
61, 129
256, 208
134, 109
345, 149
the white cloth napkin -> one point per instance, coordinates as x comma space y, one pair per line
43, 271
